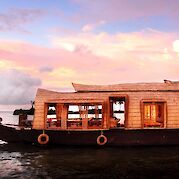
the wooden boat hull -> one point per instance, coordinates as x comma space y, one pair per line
115, 137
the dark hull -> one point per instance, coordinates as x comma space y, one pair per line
115, 137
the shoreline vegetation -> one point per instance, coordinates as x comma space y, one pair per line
25, 111
51, 111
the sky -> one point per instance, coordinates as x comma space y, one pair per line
52, 43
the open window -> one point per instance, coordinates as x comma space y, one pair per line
118, 107
53, 118
74, 115
84, 116
154, 114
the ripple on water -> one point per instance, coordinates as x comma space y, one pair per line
24, 161
10, 164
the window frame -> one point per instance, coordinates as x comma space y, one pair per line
76, 102
154, 101
126, 111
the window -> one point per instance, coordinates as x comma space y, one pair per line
74, 116
53, 118
117, 111
86, 116
153, 114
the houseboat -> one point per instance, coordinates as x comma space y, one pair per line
104, 115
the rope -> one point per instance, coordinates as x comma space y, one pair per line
101, 132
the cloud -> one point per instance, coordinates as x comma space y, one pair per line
15, 19
46, 69
90, 27
176, 46
100, 58
126, 10
121, 57
119, 45
17, 87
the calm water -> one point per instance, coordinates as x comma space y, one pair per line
28, 161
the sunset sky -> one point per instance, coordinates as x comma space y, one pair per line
51, 43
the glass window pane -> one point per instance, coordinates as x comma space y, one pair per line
153, 114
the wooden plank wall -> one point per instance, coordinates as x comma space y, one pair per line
134, 108
39, 115
172, 107
44, 96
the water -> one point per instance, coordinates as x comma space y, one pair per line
24, 161
29, 161
9, 118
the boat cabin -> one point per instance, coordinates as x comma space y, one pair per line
104, 107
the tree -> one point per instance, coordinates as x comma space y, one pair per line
32, 104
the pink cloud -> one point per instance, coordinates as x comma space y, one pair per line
97, 58
91, 27
14, 19
126, 10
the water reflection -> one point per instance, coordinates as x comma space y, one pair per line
10, 164
24, 161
